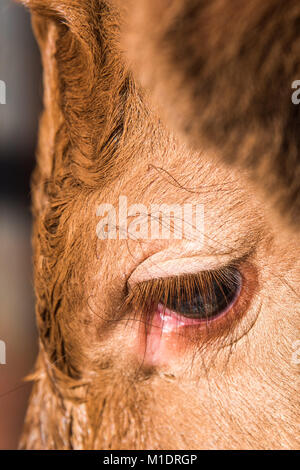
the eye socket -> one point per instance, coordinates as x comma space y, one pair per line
204, 296
195, 298
209, 307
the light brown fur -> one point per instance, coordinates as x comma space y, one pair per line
101, 135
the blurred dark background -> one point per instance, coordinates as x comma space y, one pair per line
20, 69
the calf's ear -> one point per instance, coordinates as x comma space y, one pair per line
77, 44
223, 72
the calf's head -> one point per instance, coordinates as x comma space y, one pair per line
184, 338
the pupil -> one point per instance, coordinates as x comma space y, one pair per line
208, 298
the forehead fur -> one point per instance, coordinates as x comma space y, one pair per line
223, 72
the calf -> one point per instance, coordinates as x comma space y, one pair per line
183, 341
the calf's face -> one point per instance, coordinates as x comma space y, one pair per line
148, 341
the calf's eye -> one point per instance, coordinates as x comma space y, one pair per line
204, 296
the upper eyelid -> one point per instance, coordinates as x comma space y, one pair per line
149, 270
188, 258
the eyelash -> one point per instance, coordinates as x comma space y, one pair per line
169, 294
205, 296
172, 291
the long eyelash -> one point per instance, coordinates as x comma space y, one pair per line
145, 296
